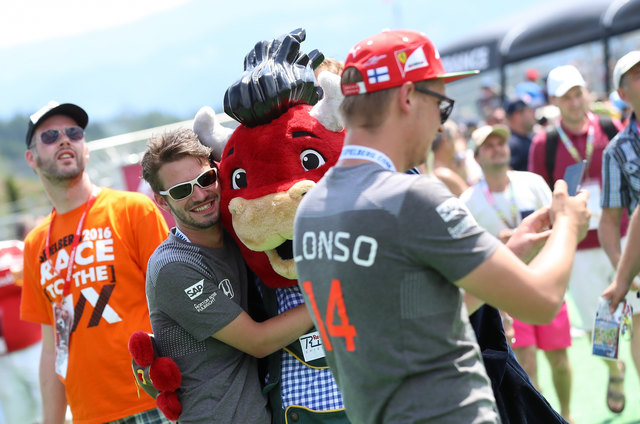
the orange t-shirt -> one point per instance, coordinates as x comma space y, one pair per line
120, 233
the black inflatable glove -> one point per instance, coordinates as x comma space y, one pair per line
277, 76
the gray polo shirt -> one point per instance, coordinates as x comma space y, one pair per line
376, 254
193, 292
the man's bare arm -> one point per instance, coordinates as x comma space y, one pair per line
628, 266
262, 338
54, 398
533, 293
609, 233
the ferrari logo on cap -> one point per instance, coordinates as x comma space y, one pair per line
408, 62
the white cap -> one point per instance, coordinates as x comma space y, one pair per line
625, 63
479, 136
562, 79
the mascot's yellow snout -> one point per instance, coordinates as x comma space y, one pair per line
265, 224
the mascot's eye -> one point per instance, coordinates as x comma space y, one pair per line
311, 159
239, 179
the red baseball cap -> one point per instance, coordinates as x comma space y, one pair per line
532, 74
391, 58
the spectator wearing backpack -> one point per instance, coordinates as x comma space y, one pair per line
581, 135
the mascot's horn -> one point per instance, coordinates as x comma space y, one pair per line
210, 132
326, 111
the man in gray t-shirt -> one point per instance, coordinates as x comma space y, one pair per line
403, 257
193, 292
381, 256
197, 290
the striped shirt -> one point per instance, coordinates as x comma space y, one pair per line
621, 169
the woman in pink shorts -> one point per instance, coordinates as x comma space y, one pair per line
554, 339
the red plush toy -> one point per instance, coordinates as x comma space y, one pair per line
158, 376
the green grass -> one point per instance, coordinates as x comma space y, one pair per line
590, 376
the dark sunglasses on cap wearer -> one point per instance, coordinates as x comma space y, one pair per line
446, 104
184, 190
53, 135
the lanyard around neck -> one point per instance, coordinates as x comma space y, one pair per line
74, 245
512, 203
367, 153
573, 151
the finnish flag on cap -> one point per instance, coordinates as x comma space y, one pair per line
377, 75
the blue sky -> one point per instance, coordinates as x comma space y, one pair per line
135, 56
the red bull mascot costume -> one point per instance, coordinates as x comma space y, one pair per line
289, 135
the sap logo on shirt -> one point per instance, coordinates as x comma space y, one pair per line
195, 290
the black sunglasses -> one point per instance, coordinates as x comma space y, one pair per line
446, 104
184, 190
53, 135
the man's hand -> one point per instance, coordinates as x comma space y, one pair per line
530, 236
507, 324
618, 289
616, 292
573, 208
505, 235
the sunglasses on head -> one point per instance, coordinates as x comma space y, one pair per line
53, 135
184, 190
446, 104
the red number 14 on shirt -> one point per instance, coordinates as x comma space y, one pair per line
334, 303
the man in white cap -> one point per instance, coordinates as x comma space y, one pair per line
581, 135
621, 188
498, 202
381, 255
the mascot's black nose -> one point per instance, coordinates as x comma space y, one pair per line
285, 250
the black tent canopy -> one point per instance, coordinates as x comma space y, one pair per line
545, 31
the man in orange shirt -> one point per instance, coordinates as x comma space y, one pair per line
84, 273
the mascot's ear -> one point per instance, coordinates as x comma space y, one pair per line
326, 111
210, 132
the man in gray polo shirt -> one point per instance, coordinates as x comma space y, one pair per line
198, 290
381, 256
